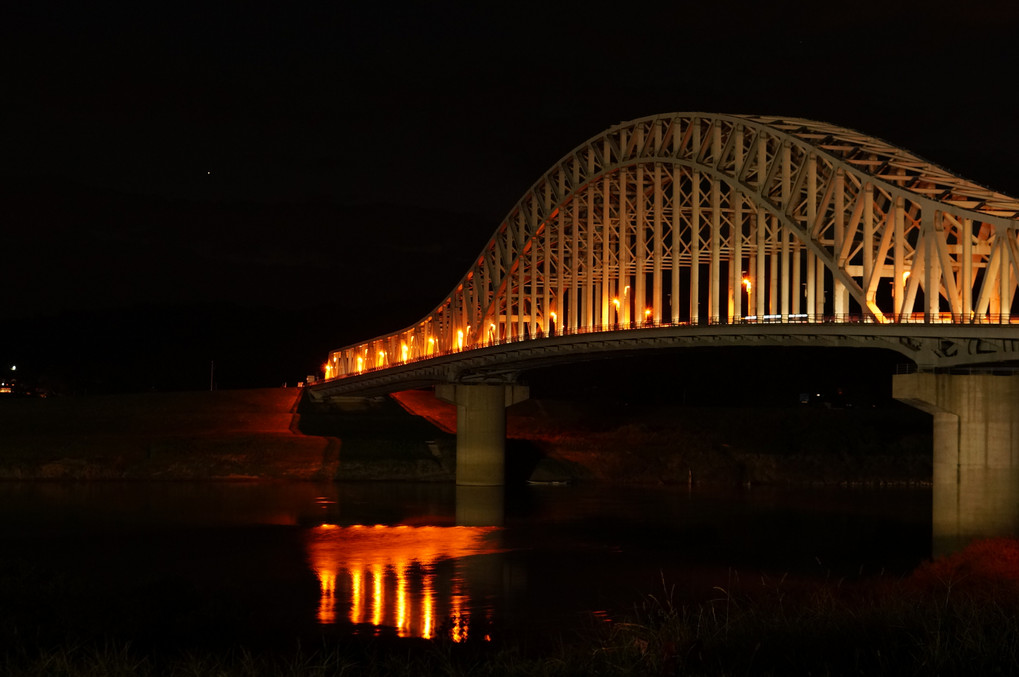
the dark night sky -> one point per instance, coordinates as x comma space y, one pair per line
255, 183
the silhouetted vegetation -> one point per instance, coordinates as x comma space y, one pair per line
957, 615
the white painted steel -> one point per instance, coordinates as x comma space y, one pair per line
649, 223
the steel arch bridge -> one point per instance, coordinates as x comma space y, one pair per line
695, 227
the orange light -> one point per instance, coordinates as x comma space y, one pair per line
427, 607
403, 351
356, 595
615, 302
647, 312
327, 600
748, 284
382, 564
402, 610
459, 619
378, 599
459, 339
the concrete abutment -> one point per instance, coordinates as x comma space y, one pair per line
481, 429
976, 452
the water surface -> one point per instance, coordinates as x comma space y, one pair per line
248, 560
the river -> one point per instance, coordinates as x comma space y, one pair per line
260, 560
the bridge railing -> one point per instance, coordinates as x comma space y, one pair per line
991, 370
333, 370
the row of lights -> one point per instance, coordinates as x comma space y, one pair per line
405, 350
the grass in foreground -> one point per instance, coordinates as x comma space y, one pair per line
957, 615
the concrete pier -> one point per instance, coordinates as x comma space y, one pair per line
976, 452
481, 429
480, 506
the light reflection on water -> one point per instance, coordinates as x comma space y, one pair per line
386, 576
562, 557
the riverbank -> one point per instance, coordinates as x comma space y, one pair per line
218, 435
272, 434
565, 440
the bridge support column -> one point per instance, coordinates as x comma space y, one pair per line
976, 453
481, 429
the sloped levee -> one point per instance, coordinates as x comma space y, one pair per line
382, 439
218, 435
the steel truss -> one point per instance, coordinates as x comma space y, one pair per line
694, 218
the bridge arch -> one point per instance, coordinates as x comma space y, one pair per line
695, 218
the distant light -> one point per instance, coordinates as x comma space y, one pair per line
14, 367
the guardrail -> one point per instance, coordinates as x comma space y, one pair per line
910, 368
750, 320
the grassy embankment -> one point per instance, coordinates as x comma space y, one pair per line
259, 434
227, 434
672, 444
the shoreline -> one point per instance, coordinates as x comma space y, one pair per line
274, 435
